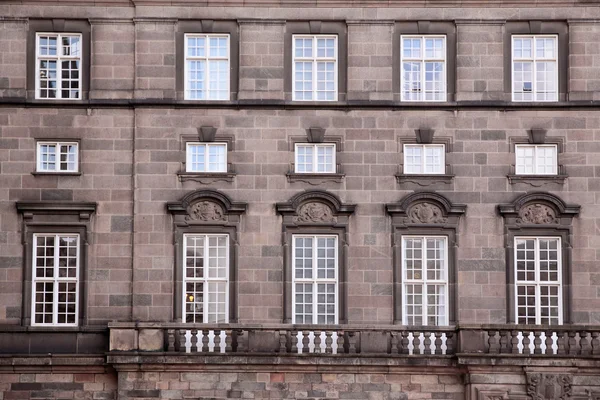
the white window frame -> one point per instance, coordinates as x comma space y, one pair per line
520, 169
314, 59
58, 58
55, 279
205, 279
207, 146
206, 58
315, 163
424, 281
315, 280
533, 60
422, 60
536, 282
442, 169
57, 162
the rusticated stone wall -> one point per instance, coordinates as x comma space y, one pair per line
97, 386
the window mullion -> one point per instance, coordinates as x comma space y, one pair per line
56, 280
424, 280
205, 280
314, 69
315, 260
538, 298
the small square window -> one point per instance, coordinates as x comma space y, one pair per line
315, 158
535, 68
57, 157
424, 159
206, 157
58, 66
207, 67
315, 67
536, 159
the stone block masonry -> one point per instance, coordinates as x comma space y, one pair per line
97, 386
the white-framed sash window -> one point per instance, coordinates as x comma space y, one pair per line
58, 66
425, 280
315, 64
207, 66
315, 158
535, 68
55, 279
538, 159
423, 64
424, 159
57, 157
538, 280
315, 279
206, 157
206, 278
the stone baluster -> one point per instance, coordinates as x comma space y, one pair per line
182, 340
305, 342
493, 346
194, 340
393, 343
170, 339
572, 343
450, 343
294, 338
438, 343
236, 334
328, 342
228, 341
514, 342
317, 342
595, 343
416, 342
584, 343
560, 342
537, 342
352, 342
549, 342
426, 342
504, 342
526, 342
404, 342
205, 333
217, 341
340, 342
282, 341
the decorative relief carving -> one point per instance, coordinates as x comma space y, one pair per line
537, 214
206, 211
315, 212
549, 386
426, 213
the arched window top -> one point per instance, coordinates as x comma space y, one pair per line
426, 208
206, 206
539, 208
315, 206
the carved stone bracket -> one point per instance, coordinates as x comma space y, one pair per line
538, 208
206, 207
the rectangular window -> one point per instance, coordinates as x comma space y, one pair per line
207, 67
425, 280
55, 279
538, 280
58, 66
536, 159
423, 76
315, 279
315, 158
57, 157
535, 68
206, 278
424, 159
315, 67
206, 157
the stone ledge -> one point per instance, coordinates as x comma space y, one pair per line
315, 179
425, 179
537, 180
206, 178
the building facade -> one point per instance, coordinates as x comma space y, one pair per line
278, 199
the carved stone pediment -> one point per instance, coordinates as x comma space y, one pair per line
542, 386
315, 212
426, 213
537, 214
206, 211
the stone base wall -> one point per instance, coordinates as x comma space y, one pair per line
101, 386
288, 385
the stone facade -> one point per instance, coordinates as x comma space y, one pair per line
133, 124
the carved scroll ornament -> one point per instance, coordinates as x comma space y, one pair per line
426, 213
315, 212
537, 214
206, 211
549, 386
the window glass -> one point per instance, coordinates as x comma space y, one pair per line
206, 157
57, 157
534, 68
536, 159
424, 159
315, 67
58, 66
423, 76
315, 158
207, 67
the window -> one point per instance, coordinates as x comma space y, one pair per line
57, 156
58, 66
536, 159
535, 68
207, 64
425, 277
206, 157
55, 279
315, 67
315, 279
538, 280
206, 278
424, 159
315, 158
423, 68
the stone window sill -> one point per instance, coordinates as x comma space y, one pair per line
205, 177
56, 173
315, 179
425, 179
537, 180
